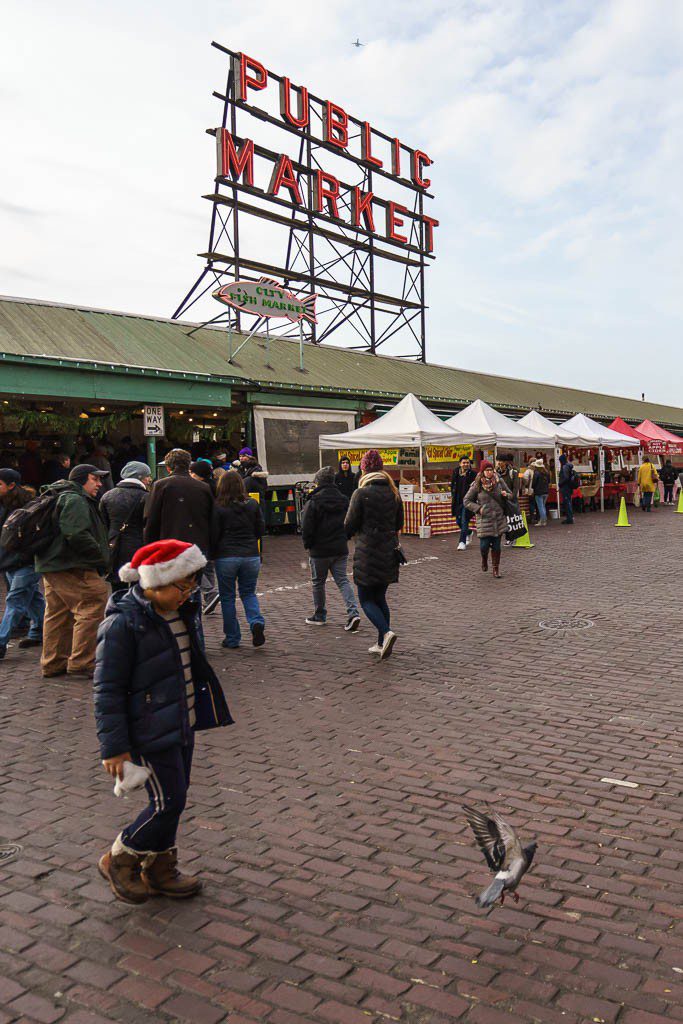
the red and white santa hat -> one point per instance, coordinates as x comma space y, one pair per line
162, 562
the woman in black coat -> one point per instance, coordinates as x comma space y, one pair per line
375, 516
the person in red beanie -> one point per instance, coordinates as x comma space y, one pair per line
154, 689
486, 498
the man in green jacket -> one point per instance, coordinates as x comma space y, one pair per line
73, 567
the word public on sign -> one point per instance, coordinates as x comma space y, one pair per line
267, 298
354, 455
448, 453
154, 425
329, 197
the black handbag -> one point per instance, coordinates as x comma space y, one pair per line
399, 555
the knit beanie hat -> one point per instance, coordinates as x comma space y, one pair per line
324, 476
202, 468
163, 562
371, 462
136, 470
485, 465
246, 451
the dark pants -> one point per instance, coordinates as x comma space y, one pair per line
487, 544
668, 492
154, 829
463, 520
567, 507
337, 566
373, 601
646, 500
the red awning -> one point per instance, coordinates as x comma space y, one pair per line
623, 428
659, 440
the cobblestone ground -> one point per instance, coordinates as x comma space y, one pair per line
327, 822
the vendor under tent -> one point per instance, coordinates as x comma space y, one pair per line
487, 427
598, 436
410, 424
659, 440
561, 436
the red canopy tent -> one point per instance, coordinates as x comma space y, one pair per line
623, 428
660, 441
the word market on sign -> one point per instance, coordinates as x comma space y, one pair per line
377, 152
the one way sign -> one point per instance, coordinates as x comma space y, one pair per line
154, 421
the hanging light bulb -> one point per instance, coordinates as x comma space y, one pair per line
83, 416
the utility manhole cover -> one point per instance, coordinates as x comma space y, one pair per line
8, 851
567, 623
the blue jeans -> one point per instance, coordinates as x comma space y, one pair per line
337, 566
373, 601
646, 500
463, 520
242, 573
24, 600
154, 829
540, 505
487, 544
567, 505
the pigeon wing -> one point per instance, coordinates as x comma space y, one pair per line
511, 843
489, 838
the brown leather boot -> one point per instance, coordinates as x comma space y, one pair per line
162, 877
495, 562
484, 561
122, 871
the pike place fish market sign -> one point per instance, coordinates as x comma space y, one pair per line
267, 298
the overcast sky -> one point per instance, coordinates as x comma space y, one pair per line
556, 130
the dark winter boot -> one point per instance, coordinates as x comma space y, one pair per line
484, 561
162, 877
495, 562
122, 868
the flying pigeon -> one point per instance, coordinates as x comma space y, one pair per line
504, 854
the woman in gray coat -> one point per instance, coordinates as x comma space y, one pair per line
486, 498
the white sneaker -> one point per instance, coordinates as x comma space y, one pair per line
469, 539
461, 546
375, 649
387, 647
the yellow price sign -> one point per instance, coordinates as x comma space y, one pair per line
354, 455
448, 452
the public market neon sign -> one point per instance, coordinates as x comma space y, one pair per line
351, 205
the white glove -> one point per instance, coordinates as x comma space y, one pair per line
134, 777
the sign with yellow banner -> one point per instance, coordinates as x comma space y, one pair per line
354, 455
448, 452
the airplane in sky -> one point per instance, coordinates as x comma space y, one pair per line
357, 43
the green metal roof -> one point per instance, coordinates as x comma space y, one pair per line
30, 328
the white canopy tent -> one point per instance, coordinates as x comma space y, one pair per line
560, 434
596, 435
409, 424
490, 427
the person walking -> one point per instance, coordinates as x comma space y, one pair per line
485, 499
323, 535
179, 507
24, 598
541, 486
509, 477
668, 476
345, 478
647, 482
567, 481
461, 481
237, 527
123, 510
154, 689
72, 567
375, 518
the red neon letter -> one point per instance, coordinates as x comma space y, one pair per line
394, 222
336, 125
396, 157
230, 162
366, 146
283, 174
361, 206
429, 225
421, 160
326, 187
300, 119
248, 74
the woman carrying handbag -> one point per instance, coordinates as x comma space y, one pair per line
487, 498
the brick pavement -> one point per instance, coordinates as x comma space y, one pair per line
340, 872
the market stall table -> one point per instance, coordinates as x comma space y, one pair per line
435, 514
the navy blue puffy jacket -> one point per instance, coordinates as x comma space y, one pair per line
139, 684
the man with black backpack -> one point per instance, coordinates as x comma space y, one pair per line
73, 566
24, 597
569, 481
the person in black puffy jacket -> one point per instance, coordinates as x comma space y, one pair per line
375, 516
123, 509
322, 531
153, 690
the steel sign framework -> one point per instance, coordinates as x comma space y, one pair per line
329, 205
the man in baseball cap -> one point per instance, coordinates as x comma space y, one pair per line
73, 567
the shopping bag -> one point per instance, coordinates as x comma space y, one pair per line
516, 527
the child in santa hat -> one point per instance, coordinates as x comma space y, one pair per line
154, 689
